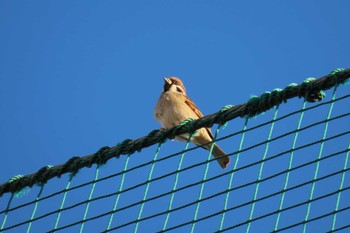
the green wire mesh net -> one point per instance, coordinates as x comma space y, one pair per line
289, 172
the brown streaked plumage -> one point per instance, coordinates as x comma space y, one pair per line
173, 107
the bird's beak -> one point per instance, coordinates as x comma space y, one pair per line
168, 81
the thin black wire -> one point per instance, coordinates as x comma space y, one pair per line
262, 216
191, 185
188, 186
314, 219
190, 167
235, 188
236, 207
340, 228
228, 190
204, 199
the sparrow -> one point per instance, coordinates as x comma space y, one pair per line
173, 107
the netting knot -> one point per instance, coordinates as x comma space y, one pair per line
252, 106
17, 177
288, 90
191, 129
315, 96
221, 120
125, 147
310, 93
100, 157
70, 166
275, 97
226, 107
335, 74
40, 176
162, 136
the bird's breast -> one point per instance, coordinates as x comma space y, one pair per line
171, 110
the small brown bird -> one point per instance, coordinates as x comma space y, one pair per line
173, 107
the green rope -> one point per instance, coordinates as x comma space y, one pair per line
146, 189
6, 212
319, 156
120, 189
18, 193
35, 208
232, 174
178, 168
89, 199
63, 202
340, 187
286, 181
261, 169
203, 180
176, 182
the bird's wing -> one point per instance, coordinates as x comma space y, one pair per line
195, 109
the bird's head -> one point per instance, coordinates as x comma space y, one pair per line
174, 84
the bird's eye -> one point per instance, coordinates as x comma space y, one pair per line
179, 89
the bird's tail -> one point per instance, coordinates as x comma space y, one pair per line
221, 156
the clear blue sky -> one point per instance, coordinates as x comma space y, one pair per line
75, 76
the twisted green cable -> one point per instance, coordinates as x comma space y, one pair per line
146, 189
89, 199
63, 202
319, 156
6, 212
203, 180
35, 207
340, 188
261, 169
289, 165
119, 190
10, 200
176, 182
232, 174
36, 203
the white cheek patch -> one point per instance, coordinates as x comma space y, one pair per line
177, 88
173, 88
